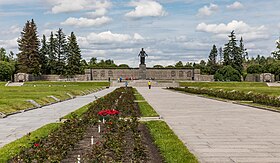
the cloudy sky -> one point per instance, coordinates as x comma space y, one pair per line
169, 30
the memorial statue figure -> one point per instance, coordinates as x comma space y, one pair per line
142, 55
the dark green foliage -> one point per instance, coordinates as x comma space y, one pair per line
158, 66
74, 57
179, 64
29, 57
276, 53
227, 73
43, 56
60, 52
255, 69
243, 51
51, 54
212, 61
3, 55
233, 54
6, 70
123, 66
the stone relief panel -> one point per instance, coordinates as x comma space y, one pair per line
102, 74
173, 73
110, 73
95, 74
189, 74
181, 74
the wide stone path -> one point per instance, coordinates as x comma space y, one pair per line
217, 131
18, 125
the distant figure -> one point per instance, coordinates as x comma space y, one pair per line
126, 83
142, 55
109, 79
149, 84
120, 79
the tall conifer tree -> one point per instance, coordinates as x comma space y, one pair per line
43, 56
29, 57
60, 52
52, 62
74, 57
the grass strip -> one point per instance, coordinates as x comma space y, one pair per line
145, 108
13, 99
12, 149
171, 147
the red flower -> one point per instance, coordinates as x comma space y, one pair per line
36, 145
108, 112
110, 123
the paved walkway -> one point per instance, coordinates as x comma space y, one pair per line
217, 131
18, 125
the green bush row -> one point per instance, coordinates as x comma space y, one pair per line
234, 95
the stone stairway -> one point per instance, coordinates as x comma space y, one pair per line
144, 83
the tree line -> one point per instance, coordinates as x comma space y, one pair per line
58, 54
232, 62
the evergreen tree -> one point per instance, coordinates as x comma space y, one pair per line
179, 64
52, 61
276, 53
232, 53
243, 51
221, 55
212, 61
213, 56
60, 52
43, 56
28, 57
74, 58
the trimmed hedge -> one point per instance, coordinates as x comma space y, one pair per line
234, 95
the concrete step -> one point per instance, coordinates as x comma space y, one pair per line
14, 84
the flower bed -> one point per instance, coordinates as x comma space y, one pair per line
119, 138
234, 95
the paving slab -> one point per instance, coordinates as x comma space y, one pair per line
15, 126
217, 131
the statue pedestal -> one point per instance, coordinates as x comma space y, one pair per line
142, 72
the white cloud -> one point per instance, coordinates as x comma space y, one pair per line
240, 27
107, 37
86, 22
235, 6
146, 8
12, 30
9, 44
97, 13
208, 10
61, 6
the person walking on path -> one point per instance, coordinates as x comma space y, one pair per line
149, 84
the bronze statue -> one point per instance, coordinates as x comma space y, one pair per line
142, 55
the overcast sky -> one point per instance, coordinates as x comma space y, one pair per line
169, 30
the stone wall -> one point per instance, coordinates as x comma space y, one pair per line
265, 77
199, 77
22, 77
156, 74
114, 74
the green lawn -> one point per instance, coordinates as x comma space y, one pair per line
14, 98
239, 86
171, 147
